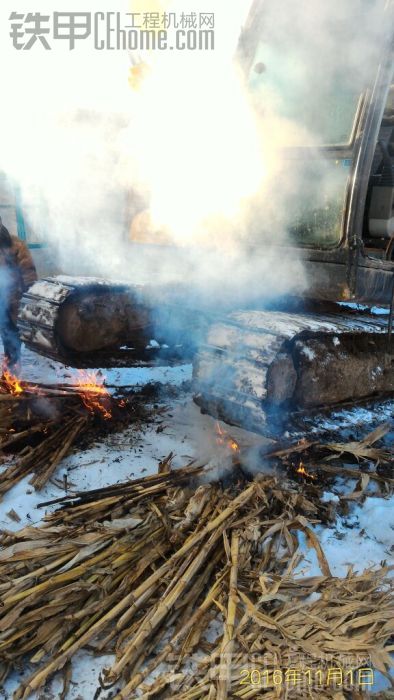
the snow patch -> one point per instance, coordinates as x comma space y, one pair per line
376, 517
308, 352
153, 344
329, 497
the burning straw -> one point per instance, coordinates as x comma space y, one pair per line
40, 424
145, 568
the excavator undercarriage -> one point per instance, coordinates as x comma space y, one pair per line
247, 364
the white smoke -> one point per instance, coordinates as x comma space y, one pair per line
195, 145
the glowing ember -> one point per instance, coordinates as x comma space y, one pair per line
303, 472
224, 439
234, 445
93, 393
11, 384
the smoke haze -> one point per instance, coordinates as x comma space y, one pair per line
197, 145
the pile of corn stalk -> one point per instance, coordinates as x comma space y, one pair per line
316, 461
194, 590
40, 425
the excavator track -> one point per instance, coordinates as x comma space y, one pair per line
255, 365
89, 322
56, 309
248, 366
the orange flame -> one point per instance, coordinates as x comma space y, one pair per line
303, 472
224, 439
11, 383
93, 393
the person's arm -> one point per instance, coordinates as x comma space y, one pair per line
26, 265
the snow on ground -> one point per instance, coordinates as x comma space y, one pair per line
343, 421
120, 456
85, 672
41, 369
362, 539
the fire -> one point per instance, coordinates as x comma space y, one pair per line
11, 384
303, 472
93, 393
234, 445
90, 387
224, 439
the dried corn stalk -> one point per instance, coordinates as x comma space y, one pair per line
155, 565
